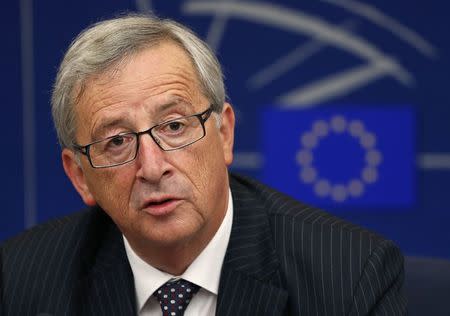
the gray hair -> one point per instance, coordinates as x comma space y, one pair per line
103, 45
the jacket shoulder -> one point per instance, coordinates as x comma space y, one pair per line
283, 208
48, 233
44, 264
326, 263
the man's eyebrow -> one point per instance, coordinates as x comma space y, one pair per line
173, 103
105, 125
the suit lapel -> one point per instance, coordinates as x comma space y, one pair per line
250, 280
108, 288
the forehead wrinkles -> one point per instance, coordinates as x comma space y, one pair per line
135, 92
130, 80
127, 95
138, 79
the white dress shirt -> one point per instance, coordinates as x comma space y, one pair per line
203, 271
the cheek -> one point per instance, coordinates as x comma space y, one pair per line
112, 190
206, 168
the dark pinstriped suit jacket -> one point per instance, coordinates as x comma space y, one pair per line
283, 258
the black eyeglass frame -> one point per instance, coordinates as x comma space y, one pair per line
202, 117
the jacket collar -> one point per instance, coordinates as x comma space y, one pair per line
250, 270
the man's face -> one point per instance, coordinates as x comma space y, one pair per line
161, 198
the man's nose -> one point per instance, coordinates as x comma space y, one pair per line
151, 160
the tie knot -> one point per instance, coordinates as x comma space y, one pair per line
174, 296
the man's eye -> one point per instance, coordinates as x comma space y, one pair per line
175, 126
117, 141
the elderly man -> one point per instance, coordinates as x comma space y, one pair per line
140, 111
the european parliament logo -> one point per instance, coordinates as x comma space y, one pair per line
341, 156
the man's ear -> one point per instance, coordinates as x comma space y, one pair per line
76, 175
227, 132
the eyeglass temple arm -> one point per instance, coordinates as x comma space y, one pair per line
207, 114
80, 149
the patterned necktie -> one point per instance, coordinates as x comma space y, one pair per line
174, 296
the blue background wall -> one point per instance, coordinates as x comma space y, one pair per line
288, 66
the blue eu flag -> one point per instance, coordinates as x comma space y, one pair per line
341, 156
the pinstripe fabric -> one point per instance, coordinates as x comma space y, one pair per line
283, 259
73, 266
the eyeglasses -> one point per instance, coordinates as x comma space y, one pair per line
123, 148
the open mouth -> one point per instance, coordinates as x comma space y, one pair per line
161, 207
158, 203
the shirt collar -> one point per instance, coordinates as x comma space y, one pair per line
203, 271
